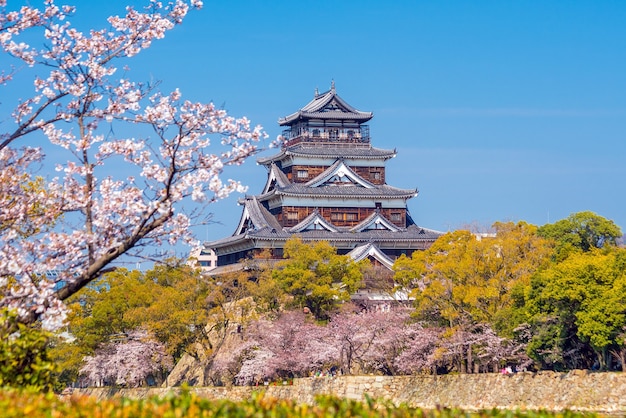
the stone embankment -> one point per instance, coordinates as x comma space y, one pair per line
576, 390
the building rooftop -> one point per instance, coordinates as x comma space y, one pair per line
327, 105
326, 150
349, 191
258, 224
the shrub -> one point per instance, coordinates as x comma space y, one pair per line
24, 361
15, 404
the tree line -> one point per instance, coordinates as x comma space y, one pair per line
527, 297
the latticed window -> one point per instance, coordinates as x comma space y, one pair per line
292, 216
303, 174
396, 217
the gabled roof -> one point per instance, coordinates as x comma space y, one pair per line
339, 174
307, 150
275, 178
255, 217
371, 250
375, 221
327, 105
313, 222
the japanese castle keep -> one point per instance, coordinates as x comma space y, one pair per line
327, 183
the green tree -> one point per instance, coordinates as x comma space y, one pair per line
581, 231
578, 309
316, 276
463, 281
177, 311
170, 302
267, 294
68, 357
24, 361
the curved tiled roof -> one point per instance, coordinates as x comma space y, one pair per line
275, 177
281, 178
266, 228
255, 217
327, 105
406, 235
329, 150
379, 192
260, 216
371, 250
412, 233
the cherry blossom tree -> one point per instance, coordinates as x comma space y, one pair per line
128, 363
356, 336
132, 155
420, 354
292, 345
387, 342
394, 334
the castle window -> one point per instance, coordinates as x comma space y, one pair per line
376, 174
292, 216
303, 174
316, 132
396, 217
351, 216
336, 216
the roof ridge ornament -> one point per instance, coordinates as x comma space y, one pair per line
332, 85
317, 92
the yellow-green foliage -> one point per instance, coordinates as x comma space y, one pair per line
316, 276
28, 404
24, 361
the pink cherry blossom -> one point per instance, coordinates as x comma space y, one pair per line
108, 195
130, 362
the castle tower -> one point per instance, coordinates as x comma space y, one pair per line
327, 183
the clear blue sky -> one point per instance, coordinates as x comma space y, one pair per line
499, 110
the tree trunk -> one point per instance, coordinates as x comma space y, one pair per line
601, 360
620, 355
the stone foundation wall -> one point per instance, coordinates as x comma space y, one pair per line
576, 390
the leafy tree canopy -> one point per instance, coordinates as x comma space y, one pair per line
316, 276
462, 279
581, 231
169, 302
578, 306
24, 360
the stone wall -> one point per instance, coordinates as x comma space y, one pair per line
577, 390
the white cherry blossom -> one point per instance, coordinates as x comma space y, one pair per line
108, 195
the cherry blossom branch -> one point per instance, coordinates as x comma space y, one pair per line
94, 215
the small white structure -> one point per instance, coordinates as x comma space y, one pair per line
203, 257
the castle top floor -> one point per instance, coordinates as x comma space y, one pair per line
327, 118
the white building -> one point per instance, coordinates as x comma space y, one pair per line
203, 257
